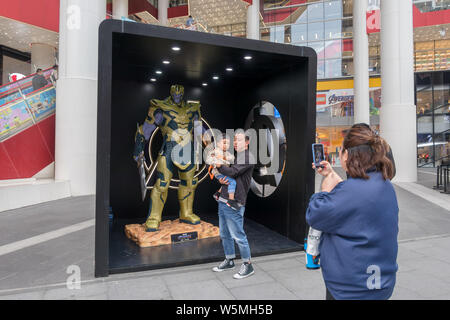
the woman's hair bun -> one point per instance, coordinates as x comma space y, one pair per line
374, 140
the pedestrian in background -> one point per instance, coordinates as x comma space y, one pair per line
39, 80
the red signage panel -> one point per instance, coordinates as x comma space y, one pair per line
373, 19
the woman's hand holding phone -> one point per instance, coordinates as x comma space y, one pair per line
324, 169
331, 178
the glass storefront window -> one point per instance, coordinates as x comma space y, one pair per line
315, 31
315, 12
174, 3
441, 59
287, 34
324, 25
333, 29
277, 34
374, 51
333, 68
432, 5
347, 66
333, 10
374, 66
432, 55
319, 47
333, 49
264, 34
347, 28
302, 15
320, 69
154, 3
347, 8
433, 118
299, 33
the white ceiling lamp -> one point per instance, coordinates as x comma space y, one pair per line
152, 79
166, 61
175, 48
158, 72
204, 84
229, 69
215, 77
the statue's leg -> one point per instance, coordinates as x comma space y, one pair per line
186, 192
164, 173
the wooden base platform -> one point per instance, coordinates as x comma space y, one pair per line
137, 233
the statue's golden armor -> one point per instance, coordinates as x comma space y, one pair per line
176, 122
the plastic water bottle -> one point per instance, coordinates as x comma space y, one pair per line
313, 242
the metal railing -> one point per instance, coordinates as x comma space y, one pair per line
443, 178
21, 106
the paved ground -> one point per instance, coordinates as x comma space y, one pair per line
34, 258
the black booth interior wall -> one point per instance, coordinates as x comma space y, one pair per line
129, 55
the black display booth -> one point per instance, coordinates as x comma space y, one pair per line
129, 56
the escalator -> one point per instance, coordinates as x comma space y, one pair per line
27, 127
437, 150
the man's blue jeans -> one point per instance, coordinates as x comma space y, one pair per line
231, 224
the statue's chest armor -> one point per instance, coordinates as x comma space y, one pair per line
177, 118
177, 125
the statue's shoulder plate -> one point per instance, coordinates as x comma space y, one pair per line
193, 107
156, 104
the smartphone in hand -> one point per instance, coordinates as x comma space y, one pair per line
318, 154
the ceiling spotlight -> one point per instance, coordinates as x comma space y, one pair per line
166, 61
229, 69
216, 78
152, 79
176, 48
158, 72
248, 57
204, 84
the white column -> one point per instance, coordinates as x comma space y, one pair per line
163, 5
360, 63
120, 9
253, 20
42, 56
398, 112
76, 104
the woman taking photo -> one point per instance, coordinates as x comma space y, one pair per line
358, 218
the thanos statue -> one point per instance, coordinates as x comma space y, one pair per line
176, 119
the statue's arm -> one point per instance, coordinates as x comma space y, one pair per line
144, 131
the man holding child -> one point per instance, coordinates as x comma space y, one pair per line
231, 220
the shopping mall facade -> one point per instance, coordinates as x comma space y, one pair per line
34, 34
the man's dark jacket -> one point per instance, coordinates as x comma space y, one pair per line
38, 82
242, 172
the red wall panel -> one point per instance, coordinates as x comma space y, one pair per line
136, 6
7, 169
28, 152
432, 18
178, 11
47, 130
42, 13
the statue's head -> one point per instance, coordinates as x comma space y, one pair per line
177, 92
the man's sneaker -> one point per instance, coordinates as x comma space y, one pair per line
233, 204
227, 264
216, 196
246, 271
